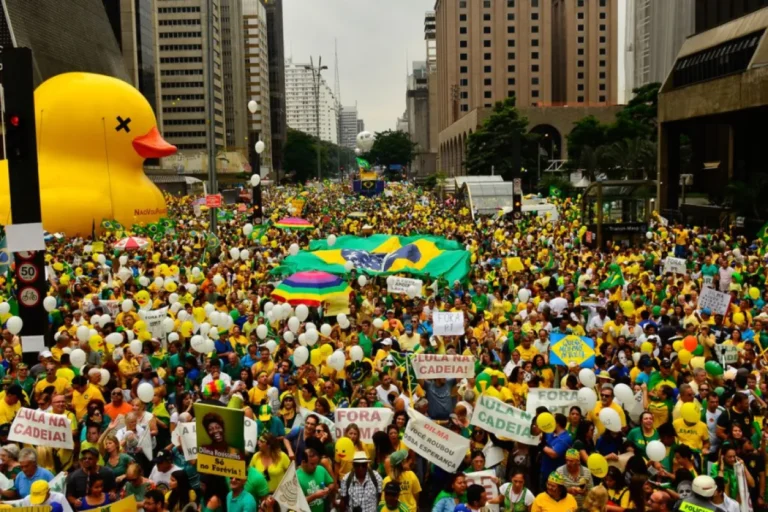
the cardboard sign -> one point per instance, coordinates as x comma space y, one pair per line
727, 354
708, 281
154, 320
125, 505
369, 419
715, 301
505, 421
399, 285
40, 428
435, 443
289, 493
675, 265
448, 324
486, 478
569, 348
213, 201
186, 434
556, 400
220, 440
434, 366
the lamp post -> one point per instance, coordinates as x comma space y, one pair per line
211, 107
538, 158
316, 80
257, 217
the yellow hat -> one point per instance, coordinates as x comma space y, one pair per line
38, 492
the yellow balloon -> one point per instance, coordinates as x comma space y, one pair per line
738, 318
345, 449
546, 422
684, 356
646, 347
698, 362
326, 350
199, 314
677, 345
264, 240
597, 465
156, 258
58, 267
171, 286
145, 336
95, 258
316, 357
76, 106
186, 328
79, 271
163, 269
690, 412
140, 326
754, 293
64, 279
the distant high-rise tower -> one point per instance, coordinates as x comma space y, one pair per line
258, 78
349, 127
183, 42
276, 50
233, 57
360, 125
300, 103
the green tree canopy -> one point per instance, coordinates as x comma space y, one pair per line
391, 148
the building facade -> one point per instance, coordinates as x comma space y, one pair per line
301, 107
655, 31
182, 34
233, 59
418, 112
713, 13
276, 52
257, 78
360, 126
349, 127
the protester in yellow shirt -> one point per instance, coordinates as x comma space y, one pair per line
83, 393
60, 384
606, 401
695, 435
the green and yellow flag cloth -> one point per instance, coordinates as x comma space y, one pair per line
615, 278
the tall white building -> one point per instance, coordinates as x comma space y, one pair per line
257, 77
300, 105
655, 31
349, 131
430, 31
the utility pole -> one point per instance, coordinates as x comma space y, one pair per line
337, 93
212, 184
316, 80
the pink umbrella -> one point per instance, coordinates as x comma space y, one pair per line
131, 243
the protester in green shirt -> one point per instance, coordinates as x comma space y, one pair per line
644, 434
315, 482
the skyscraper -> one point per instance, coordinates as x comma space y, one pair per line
349, 127
276, 50
300, 103
233, 41
257, 77
183, 42
360, 126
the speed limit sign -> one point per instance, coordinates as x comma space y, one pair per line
25, 255
27, 272
29, 297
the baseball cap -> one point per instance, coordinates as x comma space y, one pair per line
38, 492
46, 354
162, 456
666, 363
265, 413
394, 488
386, 341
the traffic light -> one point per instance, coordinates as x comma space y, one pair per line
14, 136
517, 199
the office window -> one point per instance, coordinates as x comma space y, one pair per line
580, 39
534, 3
511, 16
580, 3
487, 81
465, 108
510, 30
602, 63
511, 43
534, 93
488, 105
579, 87
602, 51
602, 3
602, 87
486, 69
486, 30
486, 44
580, 28
464, 95
486, 3
602, 75
580, 15
580, 99
487, 56
462, 30
462, 17
511, 55
510, 3
462, 4
535, 29
534, 42
602, 39
486, 17
463, 69
535, 80
535, 55
462, 56
602, 28
510, 93
464, 82
580, 63
462, 44
580, 75
580, 51
535, 68
602, 99
602, 15
511, 68
487, 94
510, 81
534, 16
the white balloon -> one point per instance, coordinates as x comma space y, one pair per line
336, 360
175, 307
83, 333
104, 377
102, 259
341, 318
294, 324
173, 298
92, 333
142, 314
208, 346
302, 339
378, 323
312, 337
182, 315
656, 450
253, 107
302, 312
197, 342
245, 254
104, 320
209, 308
49, 303
587, 399
213, 334
293, 249
268, 307
412, 291
623, 394
356, 353
364, 141
218, 280
300, 356
130, 335
234, 253
145, 392
270, 316
261, 331
390, 280
124, 274
610, 419
649, 235
326, 330
123, 259
135, 347
77, 358
205, 328
226, 321
4, 308
349, 266
195, 271
87, 248
331, 240
345, 324
587, 377
362, 280
259, 149
67, 350
114, 339
309, 326
144, 281
174, 336
168, 325
127, 305
191, 288
289, 337
271, 346
524, 295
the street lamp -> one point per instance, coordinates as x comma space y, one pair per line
316, 80
538, 157
257, 217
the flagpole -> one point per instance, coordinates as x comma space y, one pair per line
408, 374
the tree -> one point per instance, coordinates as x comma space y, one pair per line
639, 117
589, 131
301, 156
631, 158
392, 148
493, 144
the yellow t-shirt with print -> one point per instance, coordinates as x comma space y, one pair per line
409, 487
692, 435
8, 412
527, 354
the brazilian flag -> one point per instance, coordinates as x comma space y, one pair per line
405, 368
212, 241
615, 278
363, 163
762, 235
107, 225
137, 229
384, 255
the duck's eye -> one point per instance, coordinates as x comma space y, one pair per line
123, 125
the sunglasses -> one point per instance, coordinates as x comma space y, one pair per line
606, 396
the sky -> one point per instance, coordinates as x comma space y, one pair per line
376, 38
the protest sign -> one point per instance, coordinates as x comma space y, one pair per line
220, 440
448, 324
187, 436
487, 479
331, 425
715, 301
568, 348
154, 320
289, 493
369, 419
251, 433
493, 454
401, 285
727, 354
39, 428
744, 498
708, 281
556, 400
434, 366
495, 416
435, 443
674, 265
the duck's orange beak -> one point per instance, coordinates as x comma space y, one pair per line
152, 145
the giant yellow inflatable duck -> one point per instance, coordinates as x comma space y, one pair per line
93, 134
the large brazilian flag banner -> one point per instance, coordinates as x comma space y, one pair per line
384, 255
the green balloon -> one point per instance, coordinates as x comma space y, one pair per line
713, 368
719, 390
737, 278
656, 310
699, 351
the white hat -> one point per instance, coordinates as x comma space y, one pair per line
386, 341
46, 354
704, 486
360, 458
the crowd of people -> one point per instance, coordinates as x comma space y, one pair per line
692, 430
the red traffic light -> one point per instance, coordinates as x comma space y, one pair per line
14, 121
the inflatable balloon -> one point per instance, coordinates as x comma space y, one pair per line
77, 358
524, 295
127, 305
365, 140
378, 323
356, 353
261, 331
271, 346
248, 229
597, 465
173, 337
646, 347
49, 303
684, 356
135, 347
311, 337
289, 337
302, 312
587, 377
349, 266
624, 394
690, 343
587, 399
302, 339
362, 280
697, 362
300, 356
5, 308
713, 368
677, 346
344, 450
83, 333
690, 412
341, 318
293, 250
336, 361
145, 392
186, 328
326, 330
331, 240
104, 377
546, 422
294, 324
197, 343
738, 318
656, 451
610, 419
